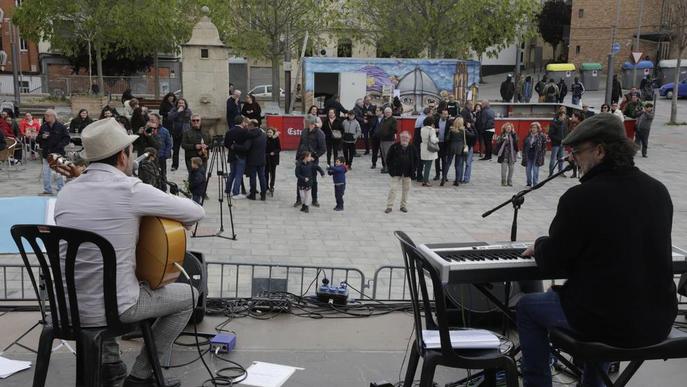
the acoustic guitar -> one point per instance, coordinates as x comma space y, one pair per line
161, 242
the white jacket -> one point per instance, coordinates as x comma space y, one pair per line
428, 134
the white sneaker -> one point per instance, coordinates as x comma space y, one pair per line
239, 196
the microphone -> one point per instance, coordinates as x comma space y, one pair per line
139, 159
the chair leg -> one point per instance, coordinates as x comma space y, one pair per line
43, 356
412, 365
490, 377
604, 375
89, 359
511, 374
151, 349
628, 372
429, 365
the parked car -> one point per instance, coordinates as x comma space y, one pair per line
264, 91
667, 89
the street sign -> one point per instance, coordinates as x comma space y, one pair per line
637, 56
615, 48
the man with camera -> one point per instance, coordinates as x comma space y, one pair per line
196, 143
147, 137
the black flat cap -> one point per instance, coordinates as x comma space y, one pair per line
600, 127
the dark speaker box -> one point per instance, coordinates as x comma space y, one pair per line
197, 269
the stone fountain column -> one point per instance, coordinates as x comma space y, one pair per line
205, 75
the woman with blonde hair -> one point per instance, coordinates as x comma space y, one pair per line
456, 146
507, 145
533, 153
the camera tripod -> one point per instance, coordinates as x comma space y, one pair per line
218, 163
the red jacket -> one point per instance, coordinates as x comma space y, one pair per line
6, 129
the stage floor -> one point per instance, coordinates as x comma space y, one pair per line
333, 352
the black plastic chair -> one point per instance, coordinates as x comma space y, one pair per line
61, 320
592, 353
417, 267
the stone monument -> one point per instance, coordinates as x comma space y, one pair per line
205, 74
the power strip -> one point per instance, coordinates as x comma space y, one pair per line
271, 304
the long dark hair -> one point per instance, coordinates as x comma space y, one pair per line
316, 109
170, 94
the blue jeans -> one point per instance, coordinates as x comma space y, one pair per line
556, 153
237, 168
260, 171
576, 100
458, 166
468, 166
339, 190
426, 166
47, 177
532, 171
536, 314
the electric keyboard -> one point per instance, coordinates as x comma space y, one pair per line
481, 262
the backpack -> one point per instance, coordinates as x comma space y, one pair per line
551, 90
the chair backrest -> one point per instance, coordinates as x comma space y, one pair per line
417, 269
64, 308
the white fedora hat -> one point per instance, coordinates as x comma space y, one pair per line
104, 138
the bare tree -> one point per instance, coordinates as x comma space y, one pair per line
678, 24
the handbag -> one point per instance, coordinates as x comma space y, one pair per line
465, 143
336, 134
432, 147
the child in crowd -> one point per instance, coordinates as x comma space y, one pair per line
149, 170
272, 150
338, 173
196, 180
305, 170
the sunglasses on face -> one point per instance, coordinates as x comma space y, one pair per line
195, 120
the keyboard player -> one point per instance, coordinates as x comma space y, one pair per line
611, 239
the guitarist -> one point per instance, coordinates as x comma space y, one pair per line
107, 200
195, 143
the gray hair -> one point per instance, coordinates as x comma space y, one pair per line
237, 92
311, 120
51, 112
387, 108
195, 115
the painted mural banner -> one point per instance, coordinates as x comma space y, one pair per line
417, 82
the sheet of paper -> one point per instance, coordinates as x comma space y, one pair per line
463, 339
268, 375
50, 212
9, 367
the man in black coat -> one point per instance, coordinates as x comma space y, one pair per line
401, 161
233, 107
255, 159
312, 140
507, 89
234, 141
488, 128
615, 254
52, 137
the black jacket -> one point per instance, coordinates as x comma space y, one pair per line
58, 138
234, 138
252, 111
273, 145
402, 161
507, 90
77, 124
387, 129
312, 141
196, 181
190, 139
165, 108
327, 128
611, 239
257, 146
144, 141
557, 131
305, 173
487, 119
233, 110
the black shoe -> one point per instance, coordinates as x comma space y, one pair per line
315, 204
366, 153
305, 208
436, 177
113, 374
263, 196
644, 155
456, 183
384, 170
338, 209
296, 204
403, 209
251, 196
373, 166
387, 210
132, 381
174, 169
443, 181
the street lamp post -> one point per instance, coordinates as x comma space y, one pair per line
611, 70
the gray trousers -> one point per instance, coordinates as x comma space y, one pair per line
507, 173
172, 306
385, 145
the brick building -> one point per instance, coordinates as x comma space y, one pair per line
592, 22
28, 54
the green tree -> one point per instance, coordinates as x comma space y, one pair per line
554, 17
678, 26
441, 28
267, 29
133, 28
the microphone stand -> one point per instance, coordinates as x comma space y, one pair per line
519, 198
